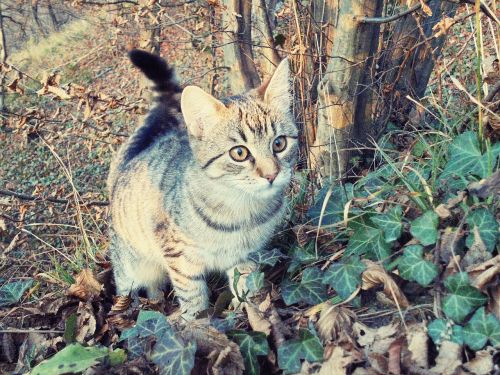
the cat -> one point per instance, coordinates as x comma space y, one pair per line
200, 185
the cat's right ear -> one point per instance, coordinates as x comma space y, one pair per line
201, 110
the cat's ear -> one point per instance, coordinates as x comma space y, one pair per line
201, 111
277, 91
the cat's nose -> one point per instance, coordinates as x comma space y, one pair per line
271, 177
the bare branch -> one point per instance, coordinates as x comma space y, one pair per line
49, 199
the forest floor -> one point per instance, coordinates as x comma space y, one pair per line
393, 272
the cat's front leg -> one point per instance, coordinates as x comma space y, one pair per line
241, 290
190, 287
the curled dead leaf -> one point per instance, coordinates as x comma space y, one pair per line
85, 287
376, 340
482, 274
257, 320
441, 28
482, 363
121, 303
375, 275
449, 359
337, 363
85, 322
334, 320
417, 346
486, 187
477, 252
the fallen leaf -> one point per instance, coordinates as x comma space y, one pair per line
121, 303
477, 252
441, 28
394, 362
257, 320
333, 321
337, 363
449, 359
374, 275
85, 322
376, 340
482, 274
417, 345
486, 187
86, 286
425, 8
442, 211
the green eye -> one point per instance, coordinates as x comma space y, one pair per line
279, 144
239, 153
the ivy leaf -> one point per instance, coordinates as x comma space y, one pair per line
251, 345
424, 228
334, 209
487, 225
255, 281
158, 325
12, 292
300, 256
390, 223
268, 258
462, 299
465, 157
369, 241
440, 330
307, 346
172, 355
345, 276
76, 358
310, 290
413, 267
481, 328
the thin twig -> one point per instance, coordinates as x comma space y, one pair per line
49, 199
394, 17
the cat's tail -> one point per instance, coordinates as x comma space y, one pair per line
160, 73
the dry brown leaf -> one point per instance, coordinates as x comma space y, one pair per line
376, 340
417, 345
494, 303
477, 252
482, 274
257, 320
375, 275
441, 28
442, 211
486, 187
365, 371
448, 243
85, 322
224, 355
425, 8
14, 87
449, 358
85, 286
394, 361
121, 303
337, 363
482, 364
334, 320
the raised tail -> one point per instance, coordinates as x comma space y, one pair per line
160, 73
164, 116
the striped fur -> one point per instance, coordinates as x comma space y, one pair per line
180, 205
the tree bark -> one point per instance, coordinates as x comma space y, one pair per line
3, 60
53, 18
238, 51
407, 62
342, 83
36, 18
269, 57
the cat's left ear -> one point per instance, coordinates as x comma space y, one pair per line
201, 110
278, 91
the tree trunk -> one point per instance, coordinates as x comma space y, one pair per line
263, 36
341, 84
238, 51
3, 60
408, 60
36, 18
53, 18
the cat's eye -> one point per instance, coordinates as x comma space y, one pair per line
279, 144
239, 153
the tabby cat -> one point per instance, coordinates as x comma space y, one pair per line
199, 185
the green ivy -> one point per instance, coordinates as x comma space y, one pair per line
307, 346
252, 344
462, 297
310, 290
412, 266
345, 276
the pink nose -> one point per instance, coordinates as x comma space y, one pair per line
271, 177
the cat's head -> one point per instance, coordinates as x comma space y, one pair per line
250, 141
